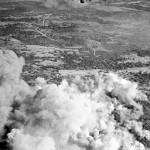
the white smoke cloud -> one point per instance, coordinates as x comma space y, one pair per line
26, 141
10, 70
58, 3
78, 114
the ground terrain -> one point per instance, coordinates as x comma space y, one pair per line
112, 36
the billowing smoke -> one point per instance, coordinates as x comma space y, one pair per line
10, 70
58, 3
79, 114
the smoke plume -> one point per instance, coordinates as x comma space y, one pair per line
10, 70
57, 3
72, 3
80, 114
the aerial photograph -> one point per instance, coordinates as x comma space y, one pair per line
74, 74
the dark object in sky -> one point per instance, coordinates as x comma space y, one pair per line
83, 1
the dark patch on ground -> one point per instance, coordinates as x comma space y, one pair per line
142, 52
143, 78
19, 8
11, 12
23, 19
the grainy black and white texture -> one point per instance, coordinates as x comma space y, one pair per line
55, 86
